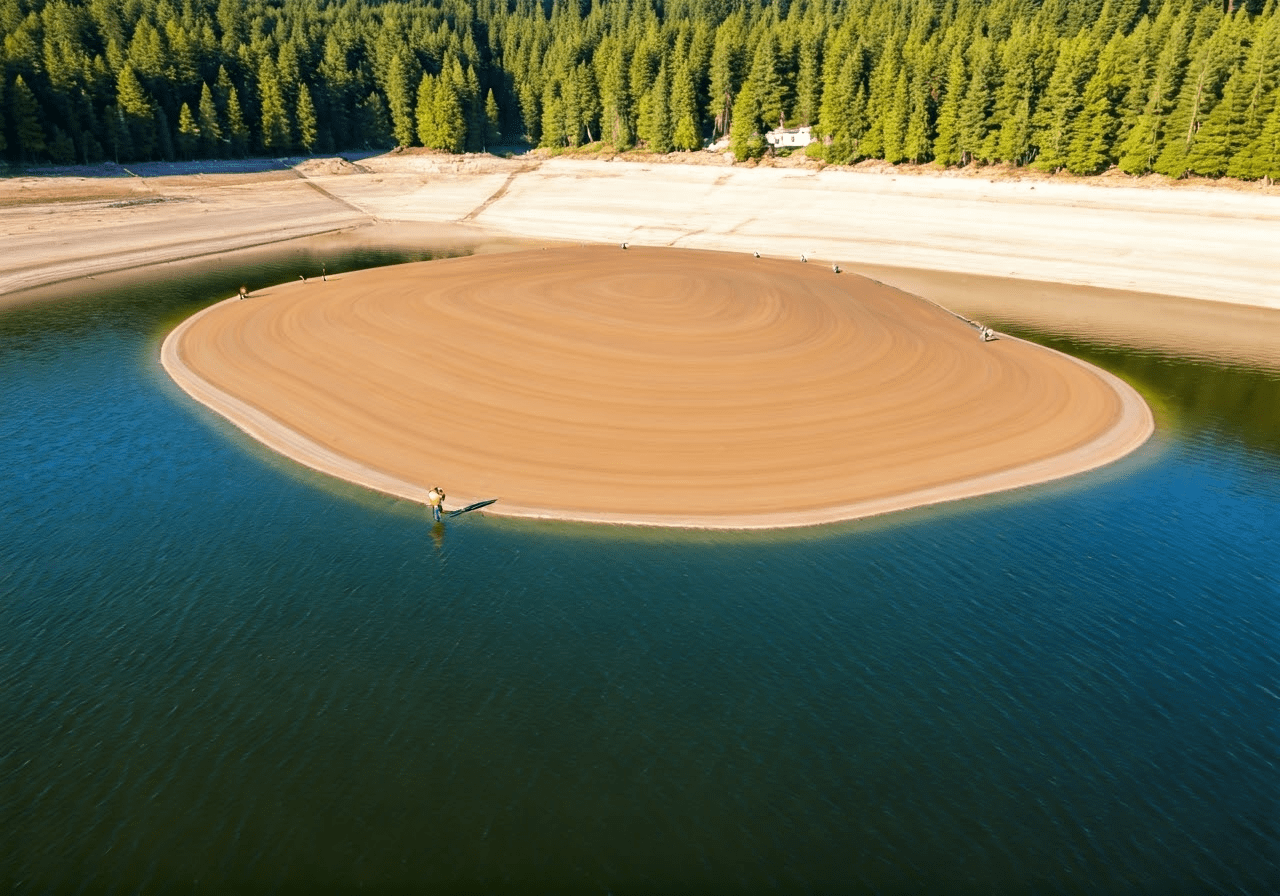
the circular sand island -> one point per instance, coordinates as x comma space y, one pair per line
650, 386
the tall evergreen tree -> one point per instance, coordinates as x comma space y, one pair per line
1238, 118
211, 137
451, 123
745, 141
137, 114
654, 127
237, 131
306, 118
616, 125
809, 78
766, 82
1093, 133
1062, 101
1261, 158
427, 113
727, 62
188, 133
24, 112
685, 134
402, 72
1141, 145
277, 130
1212, 60
493, 121
975, 116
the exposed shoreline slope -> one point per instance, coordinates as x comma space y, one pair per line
1208, 244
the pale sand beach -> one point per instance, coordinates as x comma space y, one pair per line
650, 386
1189, 270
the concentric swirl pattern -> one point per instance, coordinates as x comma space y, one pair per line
648, 385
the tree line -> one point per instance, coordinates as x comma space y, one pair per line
1171, 86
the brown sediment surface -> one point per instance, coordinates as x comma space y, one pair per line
652, 386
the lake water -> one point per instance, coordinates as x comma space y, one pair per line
221, 672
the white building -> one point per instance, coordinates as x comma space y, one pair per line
788, 137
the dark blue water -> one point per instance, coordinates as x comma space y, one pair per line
220, 672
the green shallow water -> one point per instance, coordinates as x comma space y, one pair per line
221, 672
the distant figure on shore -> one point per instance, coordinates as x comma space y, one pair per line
835, 269
324, 275
435, 498
244, 292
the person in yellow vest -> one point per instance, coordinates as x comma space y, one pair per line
435, 498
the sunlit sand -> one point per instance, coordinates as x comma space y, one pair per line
652, 386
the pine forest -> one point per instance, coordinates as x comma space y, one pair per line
1175, 87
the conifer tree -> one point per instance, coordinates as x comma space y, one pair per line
118, 138
615, 95
1015, 95
473, 110
808, 79
1238, 117
136, 112
745, 141
766, 82
188, 133
726, 73
1093, 133
916, 142
654, 127
974, 119
1061, 102
553, 136
1261, 99
335, 94
840, 122
306, 119
684, 109
375, 121
426, 112
493, 121
276, 129
211, 138
164, 135
1261, 158
238, 135
288, 74
451, 125
24, 112
1141, 145
400, 74
1212, 60
893, 118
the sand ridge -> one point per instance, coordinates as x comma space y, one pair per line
652, 386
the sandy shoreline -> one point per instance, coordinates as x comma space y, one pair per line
656, 387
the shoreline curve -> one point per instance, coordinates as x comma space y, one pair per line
1127, 425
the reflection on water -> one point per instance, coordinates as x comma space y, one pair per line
223, 671
1234, 403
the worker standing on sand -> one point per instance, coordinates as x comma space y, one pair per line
435, 498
